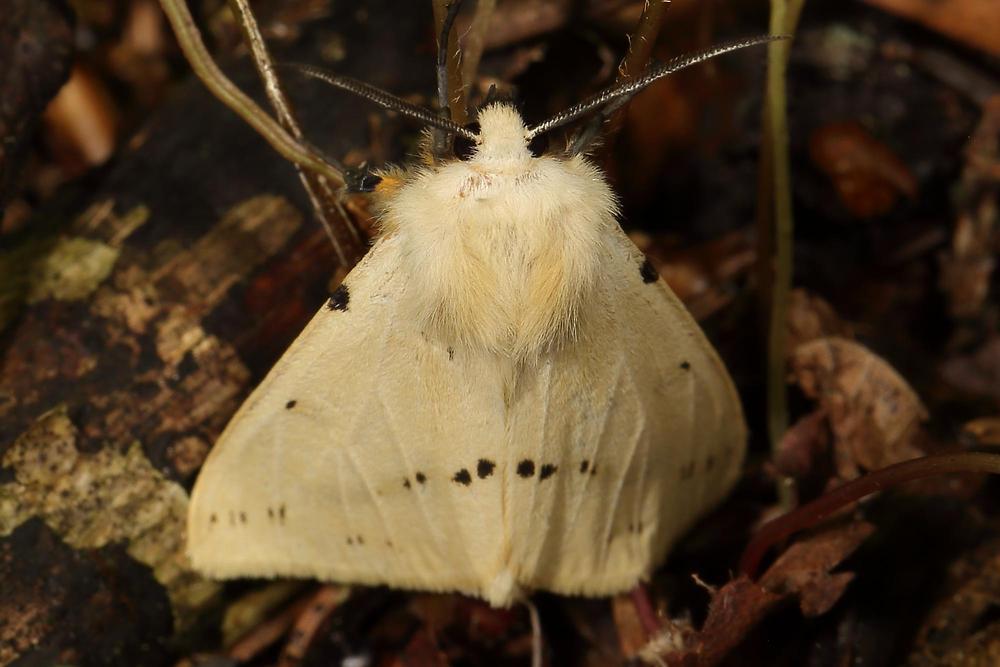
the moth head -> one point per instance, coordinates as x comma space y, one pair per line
500, 137
500, 134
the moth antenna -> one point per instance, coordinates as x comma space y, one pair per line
444, 108
383, 98
619, 94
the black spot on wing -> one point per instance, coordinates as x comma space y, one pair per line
290, 404
526, 468
462, 477
485, 468
584, 466
685, 365
214, 518
339, 299
406, 482
547, 471
420, 477
648, 272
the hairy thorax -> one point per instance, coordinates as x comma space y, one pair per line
501, 255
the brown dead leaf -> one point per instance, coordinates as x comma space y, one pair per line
967, 267
803, 571
866, 173
975, 23
700, 275
631, 634
874, 414
804, 568
811, 317
800, 446
985, 431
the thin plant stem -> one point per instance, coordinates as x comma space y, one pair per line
474, 42
810, 514
456, 92
775, 222
190, 42
343, 236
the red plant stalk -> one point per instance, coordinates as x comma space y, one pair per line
777, 530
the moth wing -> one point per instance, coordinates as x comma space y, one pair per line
634, 433
343, 465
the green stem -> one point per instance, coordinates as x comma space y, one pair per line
784, 18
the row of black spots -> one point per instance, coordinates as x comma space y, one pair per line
484, 469
359, 541
340, 299
635, 527
420, 478
526, 469
687, 470
242, 518
586, 467
235, 518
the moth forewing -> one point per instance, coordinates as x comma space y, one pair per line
502, 397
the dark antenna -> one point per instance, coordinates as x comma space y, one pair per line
444, 107
384, 99
618, 95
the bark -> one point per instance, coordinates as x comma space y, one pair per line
139, 327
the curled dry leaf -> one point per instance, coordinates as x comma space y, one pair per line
803, 571
874, 414
867, 175
802, 444
811, 317
968, 265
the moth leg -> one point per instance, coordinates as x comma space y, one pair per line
189, 39
324, 197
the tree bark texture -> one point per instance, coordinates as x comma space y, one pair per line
140, 320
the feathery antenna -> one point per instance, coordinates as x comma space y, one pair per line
619, 94
383, 98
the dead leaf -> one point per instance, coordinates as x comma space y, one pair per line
867, 175
874, 414
985, 430
802, 571
631, 635
976, 23
967, 267
811, 317
802, 444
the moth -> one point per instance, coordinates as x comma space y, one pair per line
502, 397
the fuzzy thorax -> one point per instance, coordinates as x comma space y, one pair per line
501, 252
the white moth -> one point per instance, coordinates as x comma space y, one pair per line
503, 396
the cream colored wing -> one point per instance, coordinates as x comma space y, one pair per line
354, 460
621, 441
